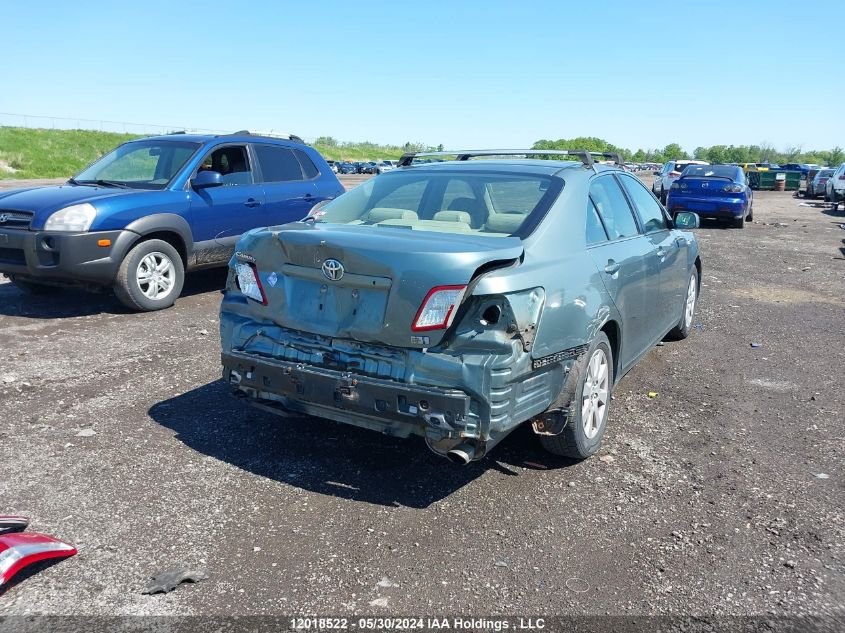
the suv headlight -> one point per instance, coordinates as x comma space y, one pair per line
76, 218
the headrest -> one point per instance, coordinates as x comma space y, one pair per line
379, 214
453, 216
504, 222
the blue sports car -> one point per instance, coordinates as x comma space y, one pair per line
712, 191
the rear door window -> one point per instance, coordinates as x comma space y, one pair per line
651, 213
278, 164
595, 230
308, 167
613, 208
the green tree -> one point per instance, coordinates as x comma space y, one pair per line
327, 141
673, 151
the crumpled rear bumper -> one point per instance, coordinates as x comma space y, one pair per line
389, 406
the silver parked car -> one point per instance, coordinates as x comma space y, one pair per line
816, 186
457, 300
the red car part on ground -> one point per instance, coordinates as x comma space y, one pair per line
19, 550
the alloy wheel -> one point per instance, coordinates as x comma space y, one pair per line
595, 394
156, 275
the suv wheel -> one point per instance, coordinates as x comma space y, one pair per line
34, 288
581, 437
682, 330
150, 276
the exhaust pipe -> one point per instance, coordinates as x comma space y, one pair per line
462, 454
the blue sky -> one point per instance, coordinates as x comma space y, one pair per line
470, 73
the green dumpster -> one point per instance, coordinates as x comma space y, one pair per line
761, 179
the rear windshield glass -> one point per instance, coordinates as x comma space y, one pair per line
710, 171
454, 201
826, 173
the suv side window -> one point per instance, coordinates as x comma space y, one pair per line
613, 208
308, 167
232, 162
278, 164
651, 213
595, 229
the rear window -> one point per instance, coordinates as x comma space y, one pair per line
710, 171
455, 201
825, 173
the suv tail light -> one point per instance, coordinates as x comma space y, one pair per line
732, 188
438, 308
249, 283
842, 176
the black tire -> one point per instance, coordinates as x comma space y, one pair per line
684, 326
34, 288
738, 223
664, 197
750, 216
573, 441
127, 287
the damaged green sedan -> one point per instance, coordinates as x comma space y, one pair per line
458, 299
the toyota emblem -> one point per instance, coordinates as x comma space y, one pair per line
333, 270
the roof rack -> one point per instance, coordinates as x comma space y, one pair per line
287, 137
585, 157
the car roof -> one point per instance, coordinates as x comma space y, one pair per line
205, 138
526, 165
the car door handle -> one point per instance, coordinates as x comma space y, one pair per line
612, 267
661, 252
680, 241
252, 202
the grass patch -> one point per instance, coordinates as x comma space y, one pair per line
47, 153
40, 153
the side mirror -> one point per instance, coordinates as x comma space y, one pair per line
687, 221
206, 179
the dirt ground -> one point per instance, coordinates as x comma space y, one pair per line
724, 494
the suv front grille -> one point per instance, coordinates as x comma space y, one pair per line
10, 219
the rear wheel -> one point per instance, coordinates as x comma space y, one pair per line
582, 435
682, 330
738, 223
663, 197
34, 288
150, 276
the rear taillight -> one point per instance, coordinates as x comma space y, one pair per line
19, 550
842, 176
438, 308
732, 188
249, 283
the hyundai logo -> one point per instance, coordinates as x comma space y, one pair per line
333, 270
3, 217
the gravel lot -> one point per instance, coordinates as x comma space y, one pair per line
725, 494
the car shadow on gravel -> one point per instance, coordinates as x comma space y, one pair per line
69, 302
334, 459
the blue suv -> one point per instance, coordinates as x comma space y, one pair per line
143, 214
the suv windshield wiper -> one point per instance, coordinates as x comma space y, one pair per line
101, 182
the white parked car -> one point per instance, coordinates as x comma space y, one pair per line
385, 165
671, 171
834, 189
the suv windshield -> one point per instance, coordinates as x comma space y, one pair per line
455, 201
139, 164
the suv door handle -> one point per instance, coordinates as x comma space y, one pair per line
252, 202
612, 267
661, 252
680, 241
